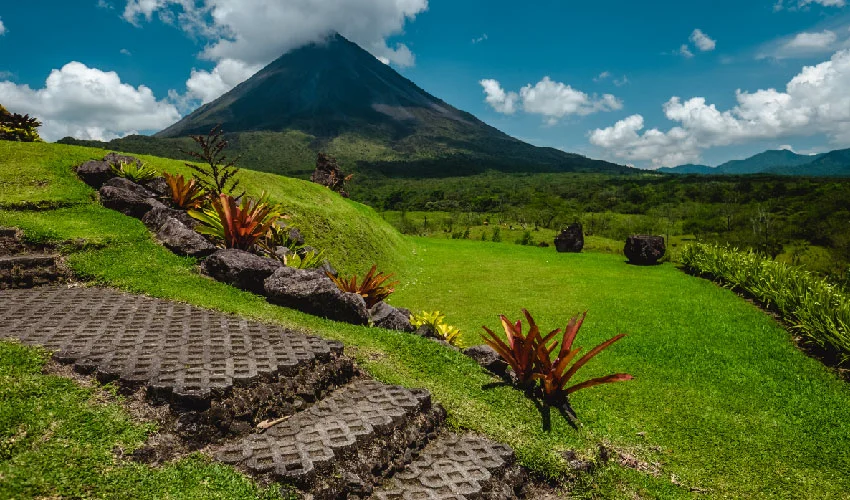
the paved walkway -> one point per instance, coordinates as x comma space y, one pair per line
195, 358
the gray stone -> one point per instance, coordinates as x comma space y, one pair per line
155, 218
182, 240
488, 358
128, 197
295, 237
159, 186
644, 250
386, 316
240, 268
95, 173
570, 239
314, 293
117, 159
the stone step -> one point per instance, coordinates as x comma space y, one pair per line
220, 373
344, 444
28, 270
458, 467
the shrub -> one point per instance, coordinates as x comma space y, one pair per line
530, 357
237, 225
497, 235
184, 194
308, 260
525, 239
216, 176
134, 171
437, 321
817, 308
16, 127
372, 288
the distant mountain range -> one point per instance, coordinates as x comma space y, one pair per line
337, 98
777, 162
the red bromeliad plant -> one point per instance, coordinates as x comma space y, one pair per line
520, 351
184, 194
238, 225
530, 357
372, 288
554, 375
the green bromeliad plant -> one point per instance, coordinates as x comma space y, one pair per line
134, 171
437, 321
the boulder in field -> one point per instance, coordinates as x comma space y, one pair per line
386, 316
240, 268
644, 250
128, 197
155, 218
183, 240
95, 173
570, 239
314, 293
488, 358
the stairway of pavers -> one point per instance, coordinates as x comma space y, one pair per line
334, 433
22, 266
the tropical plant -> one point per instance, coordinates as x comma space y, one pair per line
520, 351
134, 171
437, 321
237, 224
555, 375
373, 288
307, 260
279, 235
216, 175
185, 194
16, 127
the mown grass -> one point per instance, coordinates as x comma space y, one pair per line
61, 440
722, 400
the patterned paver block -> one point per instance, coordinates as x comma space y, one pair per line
183, 352
311, 444
454, 467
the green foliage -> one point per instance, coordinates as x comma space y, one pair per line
237, 225
525, 239
185, 194
16, 127
437, 321
497, 235
216, 174
134, 171
372, 288
818, 309
308, 260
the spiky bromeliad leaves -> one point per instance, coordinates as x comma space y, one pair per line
437, 321
555, 375
216, 176
134, 171
185, 194
520, 351
16, 127
372, 288
530, 357
237, 225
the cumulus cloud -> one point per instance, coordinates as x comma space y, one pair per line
252, 33
801, 4
808, 41
815, 101
88, 103
685, 51
602, 76
479, 39
553, 100
207, 86
125, 52
2, 28
702, 41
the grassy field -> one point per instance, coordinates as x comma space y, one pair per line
721, 401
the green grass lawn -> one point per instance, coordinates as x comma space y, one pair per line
722, 400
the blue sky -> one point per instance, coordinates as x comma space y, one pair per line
597, 78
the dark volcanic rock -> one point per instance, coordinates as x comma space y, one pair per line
315, 293
159, 186
182, 240
95, 173
489, 359
386, 316
295, 237
117, 159
155, 218
644, 250
571, 239
329, 174
240, 268
128, 197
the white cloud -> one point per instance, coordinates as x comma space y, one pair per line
685, 51
479, 39
786, 147
209, 85
103, 4
88, 103
551, 99
815, 101
702, 41
801, 4
252, 33
621, 81
2, 28
602, 76
126, 52
809, 41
